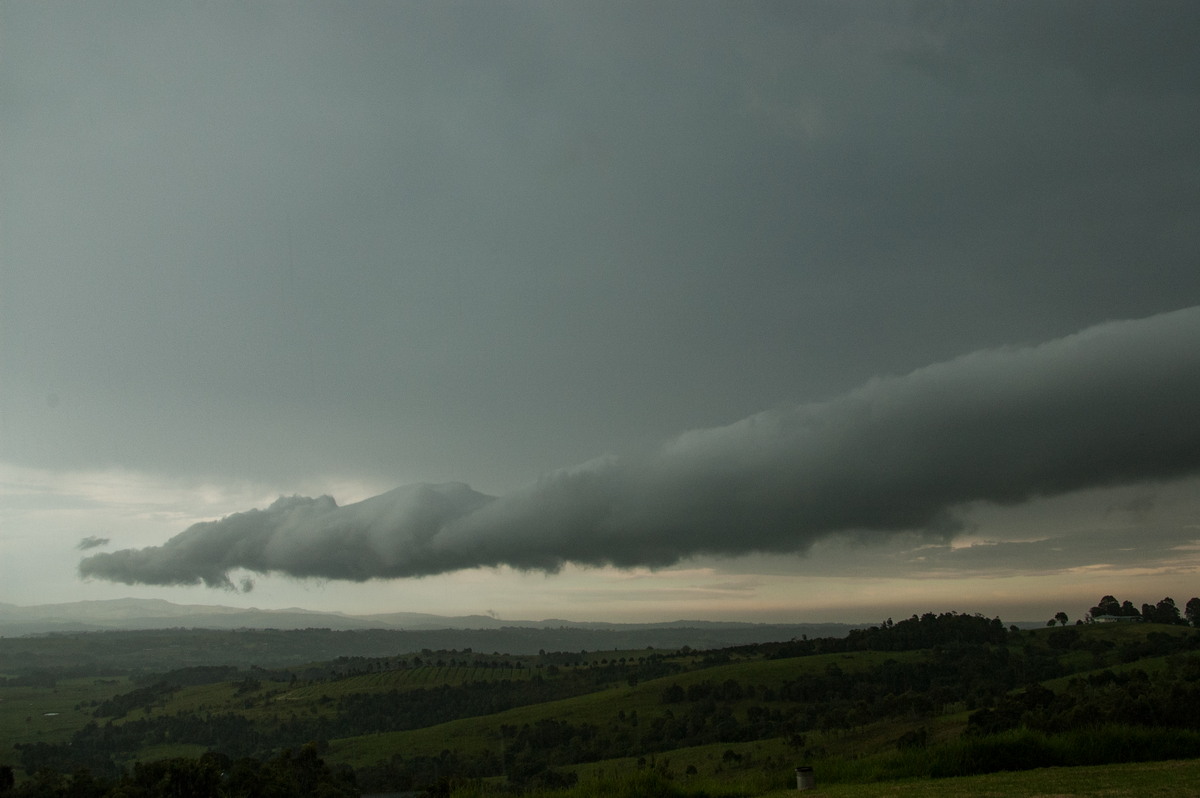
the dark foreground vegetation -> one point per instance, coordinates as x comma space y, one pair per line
931, 696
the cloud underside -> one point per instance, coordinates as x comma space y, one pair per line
1113, 404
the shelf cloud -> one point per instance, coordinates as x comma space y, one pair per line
1112, 404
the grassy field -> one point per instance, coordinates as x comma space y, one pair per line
49, 714
53, 714
273, 698
1177, 779
1170, 779
477, 734
1106, 638
856, 757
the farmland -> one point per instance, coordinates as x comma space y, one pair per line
941, 697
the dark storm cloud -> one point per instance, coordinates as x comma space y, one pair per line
1113, 404
226, 223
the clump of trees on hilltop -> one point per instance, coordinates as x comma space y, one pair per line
1165, 611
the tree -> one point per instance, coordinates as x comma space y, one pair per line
1107, 606
1061, 617
673, 694
1192, 611
1166, 611
178, 777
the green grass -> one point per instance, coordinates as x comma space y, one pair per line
480, 734
1150, 665
849, 756
1171, 779
49, 714
1018, 749
861, 755
282, 699
168, 751
302, 697
1116, 634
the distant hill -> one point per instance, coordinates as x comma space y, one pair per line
143, 614
131, 613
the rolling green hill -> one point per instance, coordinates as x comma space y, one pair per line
938, 696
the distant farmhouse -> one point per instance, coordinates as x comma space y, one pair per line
1116, 619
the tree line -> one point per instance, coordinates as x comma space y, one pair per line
1165, 611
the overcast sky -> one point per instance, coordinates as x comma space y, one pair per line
762, 311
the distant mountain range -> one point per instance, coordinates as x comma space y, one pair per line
133, 614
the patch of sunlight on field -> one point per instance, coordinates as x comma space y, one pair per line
169, 751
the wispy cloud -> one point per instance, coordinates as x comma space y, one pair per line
92, 542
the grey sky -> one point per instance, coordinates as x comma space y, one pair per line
302, 246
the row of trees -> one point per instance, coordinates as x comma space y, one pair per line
286, 774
